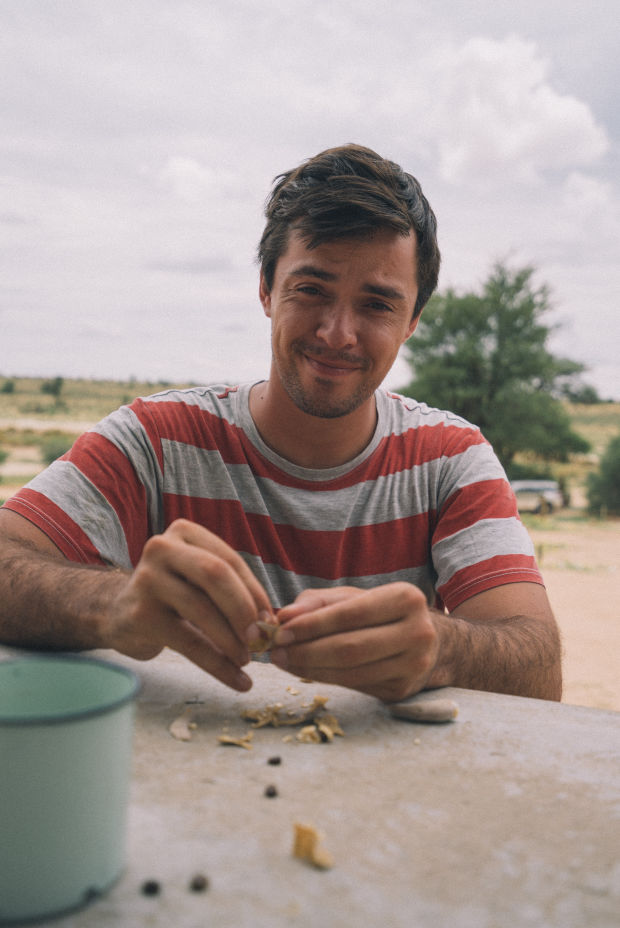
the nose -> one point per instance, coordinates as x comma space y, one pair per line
337, 327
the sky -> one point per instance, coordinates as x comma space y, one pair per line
140, 138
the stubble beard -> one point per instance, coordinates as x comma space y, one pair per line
319, 402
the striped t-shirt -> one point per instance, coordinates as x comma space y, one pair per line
426, 501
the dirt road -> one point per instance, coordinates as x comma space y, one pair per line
580, 563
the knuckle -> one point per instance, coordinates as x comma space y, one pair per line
410, 596
217, 569
155, 546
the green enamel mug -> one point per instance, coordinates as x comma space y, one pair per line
66, 729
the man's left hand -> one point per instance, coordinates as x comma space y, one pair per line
382, 642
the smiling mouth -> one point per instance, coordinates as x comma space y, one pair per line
338, 365
334, 368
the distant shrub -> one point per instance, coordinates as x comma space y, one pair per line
604, 484
8, 387
54, 446
53, 387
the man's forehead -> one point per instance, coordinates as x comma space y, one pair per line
338, 248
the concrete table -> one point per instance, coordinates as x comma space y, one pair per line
507, 817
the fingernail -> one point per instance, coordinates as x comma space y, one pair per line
244, 682
252, 633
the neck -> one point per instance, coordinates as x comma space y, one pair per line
305, 440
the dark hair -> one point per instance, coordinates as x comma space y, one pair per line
345, 192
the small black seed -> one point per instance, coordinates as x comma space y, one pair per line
199, 883
271, 791
151, 888
274, 761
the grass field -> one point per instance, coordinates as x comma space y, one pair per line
78, 400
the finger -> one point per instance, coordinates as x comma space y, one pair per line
387, 679
200, 537
345, 651
311, 600
218, 579
360, 609
187, 603
187, 640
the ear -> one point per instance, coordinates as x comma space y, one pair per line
412, 327
264, 294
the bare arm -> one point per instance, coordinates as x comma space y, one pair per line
388, 643
505, 640
190, 592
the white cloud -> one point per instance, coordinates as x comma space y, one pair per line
493, 114
190, 180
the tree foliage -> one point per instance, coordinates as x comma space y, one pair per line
604, 484
484, 355
53, 387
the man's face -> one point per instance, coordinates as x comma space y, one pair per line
339, 313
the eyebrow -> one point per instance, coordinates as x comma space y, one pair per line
311, 270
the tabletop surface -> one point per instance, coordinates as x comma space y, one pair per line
508, 816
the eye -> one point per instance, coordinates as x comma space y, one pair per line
308, 290
379, 306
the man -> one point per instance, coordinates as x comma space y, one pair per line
378, 533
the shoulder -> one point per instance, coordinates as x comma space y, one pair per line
193, 404
412, 420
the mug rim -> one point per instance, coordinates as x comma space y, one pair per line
72, 715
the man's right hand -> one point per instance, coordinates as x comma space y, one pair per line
190, 591
193, 593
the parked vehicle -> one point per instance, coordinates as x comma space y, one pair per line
540, 496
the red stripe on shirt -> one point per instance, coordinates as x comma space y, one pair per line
94, 454
493, 497
495, 571
357, 551
207, 430
56, 524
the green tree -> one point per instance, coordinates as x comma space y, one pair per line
53, 387
484, 355
604, 484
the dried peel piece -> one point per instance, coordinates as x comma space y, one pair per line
330, 726
306, 847
309, 735
267, 637
243, 742
181, 728
271, 715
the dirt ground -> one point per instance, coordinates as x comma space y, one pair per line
580, 562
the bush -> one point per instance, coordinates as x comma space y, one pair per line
54, 446
53, 387
604, 485
8, 387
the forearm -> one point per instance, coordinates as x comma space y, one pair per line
49, 603
519, 655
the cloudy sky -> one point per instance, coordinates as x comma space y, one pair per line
139, 138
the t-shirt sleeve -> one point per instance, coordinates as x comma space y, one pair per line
479, 541
98, 502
